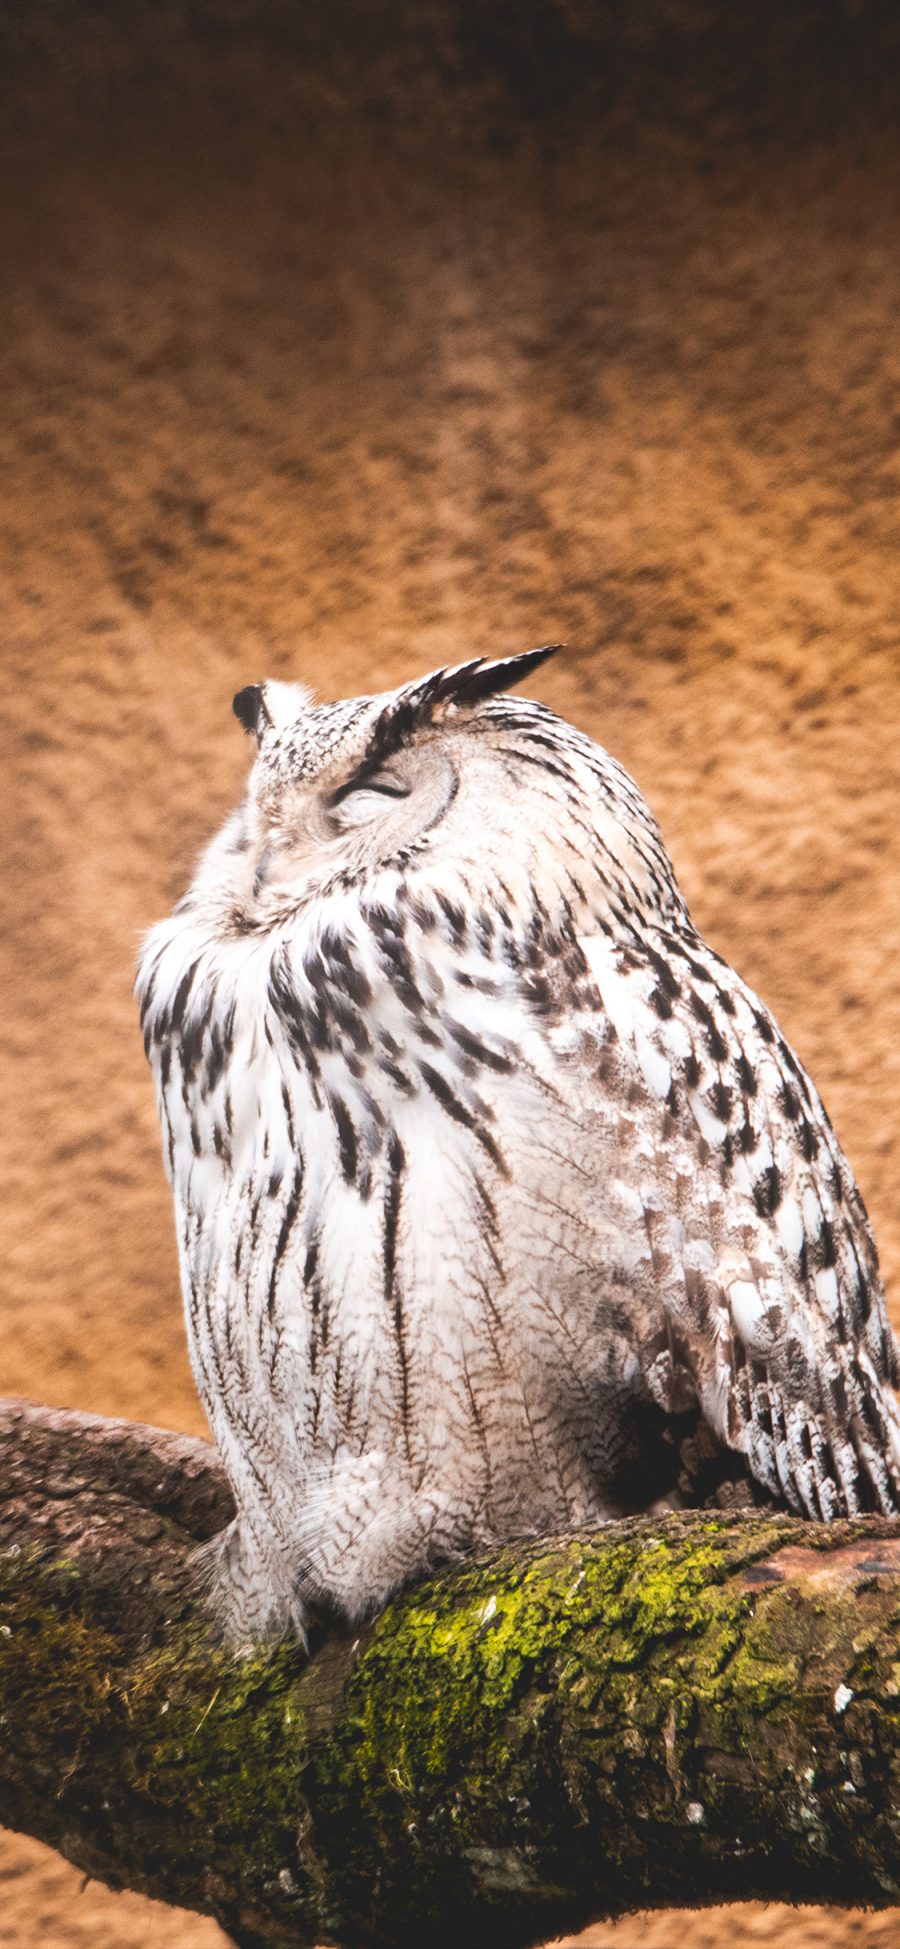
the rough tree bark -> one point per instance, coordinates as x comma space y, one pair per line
705, 1707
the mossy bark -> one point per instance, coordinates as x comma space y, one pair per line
667, 1711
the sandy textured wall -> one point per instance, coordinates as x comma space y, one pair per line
337, 353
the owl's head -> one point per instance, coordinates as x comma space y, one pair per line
445, 777
338, 789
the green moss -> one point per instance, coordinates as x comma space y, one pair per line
184, 1755
515, 1746
492, 1703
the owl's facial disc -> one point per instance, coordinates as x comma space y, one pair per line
392, 805
328, 799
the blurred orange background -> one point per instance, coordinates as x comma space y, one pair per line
339, 341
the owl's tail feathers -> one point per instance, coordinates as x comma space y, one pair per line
825, 1445
875, 1431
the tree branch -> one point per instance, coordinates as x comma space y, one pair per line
699, 1708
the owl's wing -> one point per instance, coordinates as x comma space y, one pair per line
759, 1290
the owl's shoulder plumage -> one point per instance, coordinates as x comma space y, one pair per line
761, 1284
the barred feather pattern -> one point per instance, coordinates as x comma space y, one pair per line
487, 1170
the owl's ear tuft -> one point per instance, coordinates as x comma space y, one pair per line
468, 683
249, 708
465, 685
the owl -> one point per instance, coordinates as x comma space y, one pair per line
491, 1179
